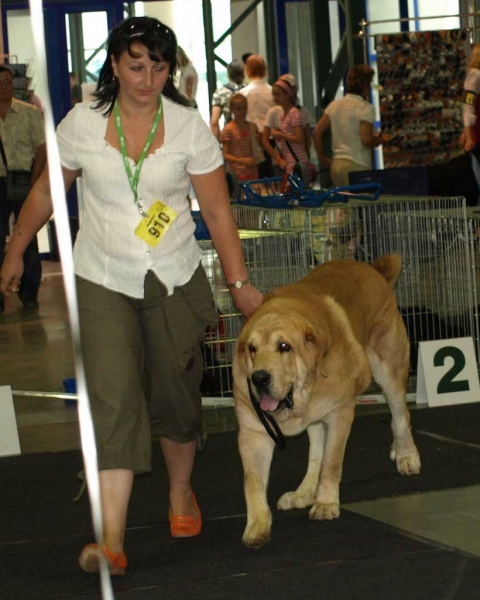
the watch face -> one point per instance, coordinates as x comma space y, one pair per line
237, 284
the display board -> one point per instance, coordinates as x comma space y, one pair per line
421, 77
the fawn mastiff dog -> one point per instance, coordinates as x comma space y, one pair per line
300, 361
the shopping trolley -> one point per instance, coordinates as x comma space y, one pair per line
297, 194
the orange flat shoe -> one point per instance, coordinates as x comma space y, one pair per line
92, 554
183, 526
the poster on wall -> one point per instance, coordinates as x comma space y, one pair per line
421, 77
20, 81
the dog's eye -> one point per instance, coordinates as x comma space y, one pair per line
284, 347
252, 349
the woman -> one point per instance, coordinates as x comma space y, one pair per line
287, 129
144, 300
237, 141
470, 137
188, 82
351, 121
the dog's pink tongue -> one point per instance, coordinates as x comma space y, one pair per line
268, 403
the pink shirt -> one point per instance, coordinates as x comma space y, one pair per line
289, 121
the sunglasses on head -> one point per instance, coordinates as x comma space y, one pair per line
131, 30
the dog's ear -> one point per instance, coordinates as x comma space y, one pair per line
243, 357
317, 341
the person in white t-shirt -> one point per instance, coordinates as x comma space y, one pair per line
258, 91
260, 100
144, 299
351, 122
188, 76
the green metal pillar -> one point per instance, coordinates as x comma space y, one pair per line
76, 45
271, 39
356, 12
209, 47
322, 46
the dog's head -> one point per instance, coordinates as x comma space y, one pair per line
282, 353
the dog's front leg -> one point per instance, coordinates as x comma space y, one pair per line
256, 451
327, 500
304, 495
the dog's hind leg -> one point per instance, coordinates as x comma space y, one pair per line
390, 363
304, 495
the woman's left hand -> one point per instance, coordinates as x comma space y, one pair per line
247, 299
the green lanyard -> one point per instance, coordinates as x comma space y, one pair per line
133, 178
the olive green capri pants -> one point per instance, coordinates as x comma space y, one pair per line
144, 366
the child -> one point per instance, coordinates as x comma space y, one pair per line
287, 129
238, 141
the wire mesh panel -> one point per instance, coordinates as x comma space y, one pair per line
434, 290
473, 221
273, 259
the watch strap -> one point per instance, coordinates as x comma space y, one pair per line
237, 284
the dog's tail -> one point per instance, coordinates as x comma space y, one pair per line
389, 267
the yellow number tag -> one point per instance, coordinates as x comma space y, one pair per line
155, 225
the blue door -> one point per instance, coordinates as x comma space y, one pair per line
94, 17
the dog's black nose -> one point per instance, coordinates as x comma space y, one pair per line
261, 379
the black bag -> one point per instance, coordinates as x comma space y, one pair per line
18, 185
18, 181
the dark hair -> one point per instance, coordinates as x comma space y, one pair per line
4, 69
161, 44
246, 56
236, 71
358, 77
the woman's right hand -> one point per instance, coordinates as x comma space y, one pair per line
468, 143
10, 275
247, 299
325, 163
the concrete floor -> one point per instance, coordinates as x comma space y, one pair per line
36, 355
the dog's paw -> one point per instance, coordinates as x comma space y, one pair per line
295, 500
406, 465
256, 534
324, 512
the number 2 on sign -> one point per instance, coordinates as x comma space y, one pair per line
155, 225
447, 385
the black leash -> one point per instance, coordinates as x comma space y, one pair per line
271, 426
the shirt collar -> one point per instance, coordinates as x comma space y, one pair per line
14, 106
355, 96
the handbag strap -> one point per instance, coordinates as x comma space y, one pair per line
292, 151
4, 158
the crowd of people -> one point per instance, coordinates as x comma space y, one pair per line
273, 119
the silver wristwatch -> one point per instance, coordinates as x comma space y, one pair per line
237, 284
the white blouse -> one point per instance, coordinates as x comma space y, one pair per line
107, 251
345, 117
